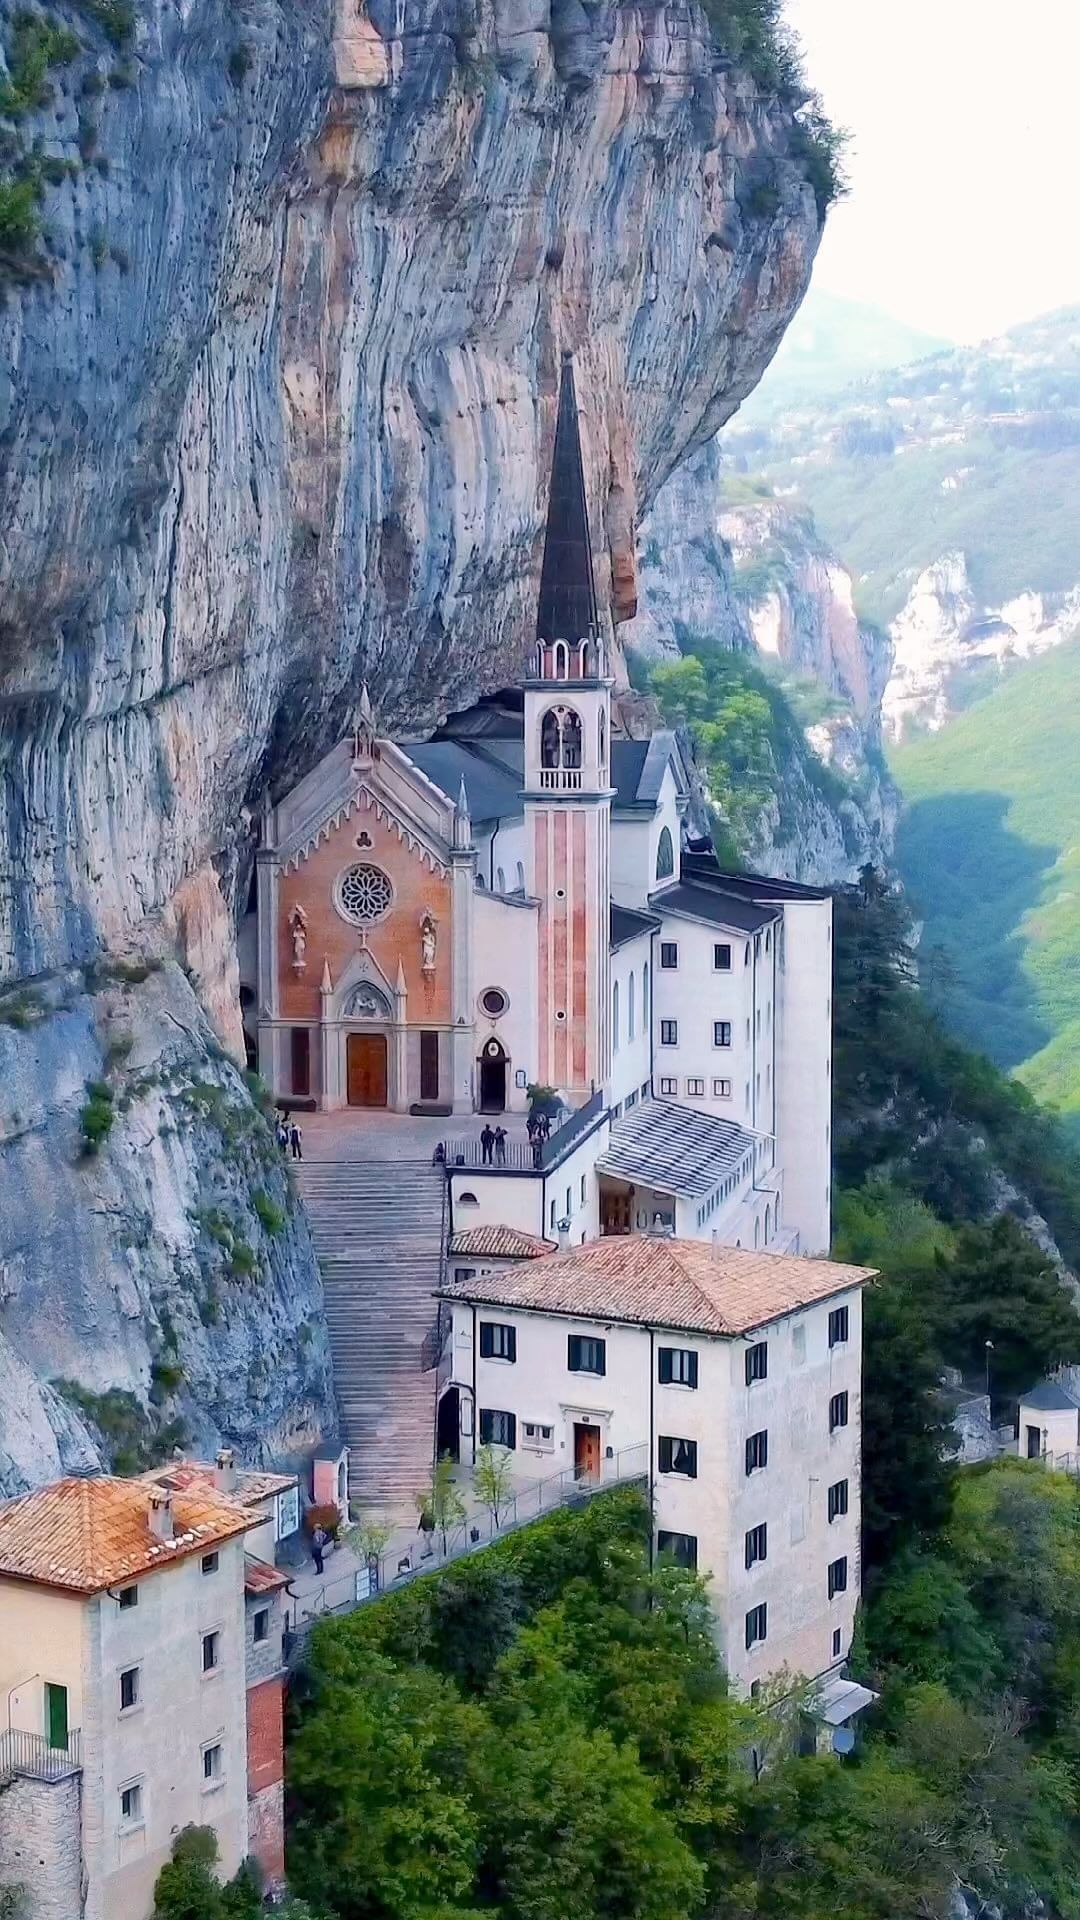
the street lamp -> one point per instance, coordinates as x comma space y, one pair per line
989, 1345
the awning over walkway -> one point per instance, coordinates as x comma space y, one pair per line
660, 1144
837, 1700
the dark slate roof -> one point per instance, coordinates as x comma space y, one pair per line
628, 759
493, 790
1049, 1397
567, 606
713, 905
659, 1144
751, 886
627, 923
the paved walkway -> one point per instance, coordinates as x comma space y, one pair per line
358, 1133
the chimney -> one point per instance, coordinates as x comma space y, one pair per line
161, 1521
225, 1470
563, 1230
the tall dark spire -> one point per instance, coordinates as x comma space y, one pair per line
567, 609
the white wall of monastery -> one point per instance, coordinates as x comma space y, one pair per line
804, 1071
718, 1507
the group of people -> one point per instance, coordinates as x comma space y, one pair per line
492, 1145
288, 1135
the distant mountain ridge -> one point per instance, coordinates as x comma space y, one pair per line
830, 343
949, 487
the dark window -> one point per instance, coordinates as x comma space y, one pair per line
131, 1803
128, 1597
669, 954
838, 1411
837, 1642
669, 1033
681, 1546
721, 957
261, 1625
665, 855
300, 1060
757, 1362
210, 1652
678, 1367
497, 1429
210, 1563
837, 1499
585, 1355
721, 1033
211, 1763
678, 1456
497, 1342
757, 1544
1034, 1443
129, 1688
429, 1066
757, 1621
838, 1326
757, 1451
837, 1576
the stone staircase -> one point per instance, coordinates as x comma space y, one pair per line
378, 1231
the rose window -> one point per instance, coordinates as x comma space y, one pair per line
364, 894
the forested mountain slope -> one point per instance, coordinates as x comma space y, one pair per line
989, 848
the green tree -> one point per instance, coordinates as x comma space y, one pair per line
383, 1826
440, 1505
572, 1830
998, 1285
493, 1481
922, 1623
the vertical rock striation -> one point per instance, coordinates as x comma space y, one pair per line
278, 421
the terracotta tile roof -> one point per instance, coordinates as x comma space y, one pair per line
261, 1578
500, 1243
88, 1534
686, 1284
189, 1476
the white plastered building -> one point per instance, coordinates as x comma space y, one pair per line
728, 1381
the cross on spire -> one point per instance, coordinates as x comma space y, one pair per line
567, 608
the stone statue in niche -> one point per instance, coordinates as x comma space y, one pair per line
429, 941
298, 930
367, 1003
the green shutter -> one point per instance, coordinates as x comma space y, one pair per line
56, 1715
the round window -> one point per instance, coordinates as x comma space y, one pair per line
494, 1001
364, 894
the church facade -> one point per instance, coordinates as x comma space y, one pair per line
516, 902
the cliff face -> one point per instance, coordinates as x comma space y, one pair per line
945, 636
276, 420
300, 436
757, 578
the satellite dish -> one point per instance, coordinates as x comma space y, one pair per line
843, 1740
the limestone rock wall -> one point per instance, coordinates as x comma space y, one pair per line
157, 1282
756, 577
276, 420
297, 433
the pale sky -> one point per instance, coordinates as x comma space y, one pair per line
964, 215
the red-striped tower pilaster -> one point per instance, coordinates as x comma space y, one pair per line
567, 785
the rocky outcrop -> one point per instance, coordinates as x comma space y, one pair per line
756, 577
157, 1283
298, 434
276, 409
945, 635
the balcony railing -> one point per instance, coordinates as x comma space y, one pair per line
561, 779
523, 1156
526, 1504
31, 1756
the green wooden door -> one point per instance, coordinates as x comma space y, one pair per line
56, 1715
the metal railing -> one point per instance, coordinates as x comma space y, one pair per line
434, 1550
30, 1755
524, 1156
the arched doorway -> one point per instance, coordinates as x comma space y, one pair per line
448, 1425
365, 1069
493, 1065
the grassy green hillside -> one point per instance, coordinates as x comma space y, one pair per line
989, 847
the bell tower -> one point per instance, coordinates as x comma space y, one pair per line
567, 784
